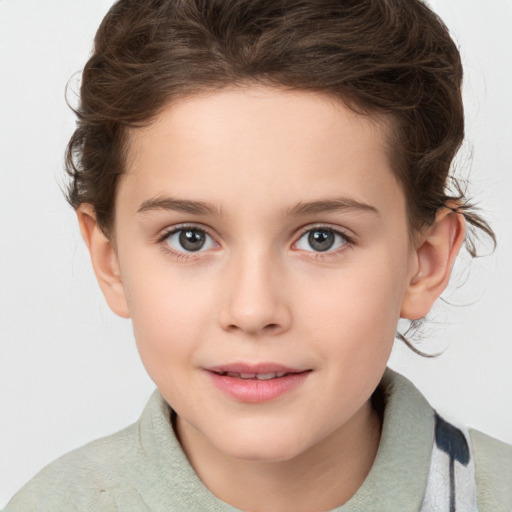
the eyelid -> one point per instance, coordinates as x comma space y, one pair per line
350, 242
328, 227
351, 239
184, 255
166, 232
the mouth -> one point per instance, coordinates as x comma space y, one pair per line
257, 376
256, 383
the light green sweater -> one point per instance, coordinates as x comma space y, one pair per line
143, 468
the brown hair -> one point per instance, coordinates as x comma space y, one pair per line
393, 58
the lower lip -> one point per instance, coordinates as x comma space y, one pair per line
257, 391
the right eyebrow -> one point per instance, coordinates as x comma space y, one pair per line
178, 205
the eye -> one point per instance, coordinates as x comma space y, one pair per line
321, 240
189, 240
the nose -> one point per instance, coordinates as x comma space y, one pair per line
254, 299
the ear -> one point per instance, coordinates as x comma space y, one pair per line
436, 250
104, 260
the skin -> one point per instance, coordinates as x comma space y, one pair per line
259, 292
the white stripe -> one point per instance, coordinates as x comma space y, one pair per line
437, 494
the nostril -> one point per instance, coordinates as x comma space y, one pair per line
269, 328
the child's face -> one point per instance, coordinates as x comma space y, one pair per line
293, 256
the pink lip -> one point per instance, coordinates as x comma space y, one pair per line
254, 390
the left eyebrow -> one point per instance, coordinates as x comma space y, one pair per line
179, 205
330, 205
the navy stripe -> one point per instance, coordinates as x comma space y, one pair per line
452, 441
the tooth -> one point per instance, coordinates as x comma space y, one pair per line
247, 375
266, 376
282, 374
233, 374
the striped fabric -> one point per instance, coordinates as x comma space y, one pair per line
451, 483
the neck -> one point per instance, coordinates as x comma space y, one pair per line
325, 476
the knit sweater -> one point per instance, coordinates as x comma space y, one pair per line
421, 460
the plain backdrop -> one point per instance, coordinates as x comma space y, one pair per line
69, 370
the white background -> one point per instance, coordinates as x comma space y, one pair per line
69, 371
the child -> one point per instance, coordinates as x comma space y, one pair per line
262, 187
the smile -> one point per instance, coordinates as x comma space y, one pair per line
256, 383
259, 376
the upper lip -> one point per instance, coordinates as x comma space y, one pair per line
257, 368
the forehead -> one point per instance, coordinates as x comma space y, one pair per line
237, 146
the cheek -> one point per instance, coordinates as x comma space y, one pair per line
353, 328
169, 314
356, 299
353, 315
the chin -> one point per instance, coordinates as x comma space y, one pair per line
265, 448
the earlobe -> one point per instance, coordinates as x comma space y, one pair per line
104, 260
434, 256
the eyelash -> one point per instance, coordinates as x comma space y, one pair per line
328, 254
317, 255
182, 256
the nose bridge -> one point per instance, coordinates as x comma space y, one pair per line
256, 300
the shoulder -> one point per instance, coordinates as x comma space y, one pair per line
492, 458
493, 462
110, 474
88, 478
141, 468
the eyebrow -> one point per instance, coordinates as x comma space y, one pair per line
301, 208
179, 205
331, 205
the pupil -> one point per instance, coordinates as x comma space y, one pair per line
192, 240
321, 240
